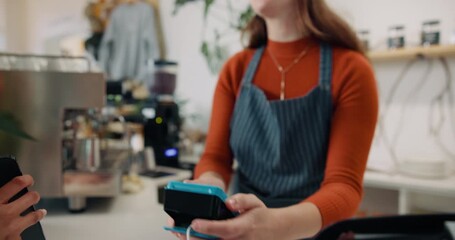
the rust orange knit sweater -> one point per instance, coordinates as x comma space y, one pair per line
355, 109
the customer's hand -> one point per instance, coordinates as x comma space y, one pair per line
255, 221
11, 223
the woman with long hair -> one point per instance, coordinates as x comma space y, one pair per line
297, 109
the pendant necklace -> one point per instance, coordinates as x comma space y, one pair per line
283, 70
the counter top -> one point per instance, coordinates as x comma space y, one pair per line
139, 216
442, 187
415, 194
136, 216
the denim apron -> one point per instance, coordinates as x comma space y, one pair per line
281, 146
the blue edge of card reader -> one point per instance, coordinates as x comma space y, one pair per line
185, 202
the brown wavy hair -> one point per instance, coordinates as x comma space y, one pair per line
318, 21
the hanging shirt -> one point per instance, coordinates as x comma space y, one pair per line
129, 44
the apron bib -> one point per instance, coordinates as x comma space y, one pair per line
281, 146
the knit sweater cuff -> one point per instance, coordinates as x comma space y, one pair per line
329, 211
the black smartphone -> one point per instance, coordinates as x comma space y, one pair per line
9, 169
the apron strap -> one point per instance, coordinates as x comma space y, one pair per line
325, 67
246, 180
252, 67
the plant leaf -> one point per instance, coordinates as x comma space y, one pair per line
180, 3
244, 18
208, 4
10, 126
205, 49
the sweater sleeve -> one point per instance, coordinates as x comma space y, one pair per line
353, 124
217, 156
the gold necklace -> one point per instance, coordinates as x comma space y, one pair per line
283, 70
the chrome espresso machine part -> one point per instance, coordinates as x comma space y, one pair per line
40, 98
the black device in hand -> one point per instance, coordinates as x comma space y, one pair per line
185, 202
9, 169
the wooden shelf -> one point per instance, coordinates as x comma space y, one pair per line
408, 53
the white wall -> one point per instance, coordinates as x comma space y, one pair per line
378, 15
53, 20
16, 19
184, 34
409, 116
37, 26
2, 25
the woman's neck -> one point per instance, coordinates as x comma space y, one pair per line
284, 29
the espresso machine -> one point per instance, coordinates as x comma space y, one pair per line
44, 100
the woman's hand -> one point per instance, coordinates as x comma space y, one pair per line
11, 223
255, 221
210, 178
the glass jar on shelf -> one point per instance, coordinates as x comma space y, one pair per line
431, 33
364, 37
396, 37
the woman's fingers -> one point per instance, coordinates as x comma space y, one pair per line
226, 229
181, 236
244, 202
207, 181
232, 228
13, 187
209, 178
170, 222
